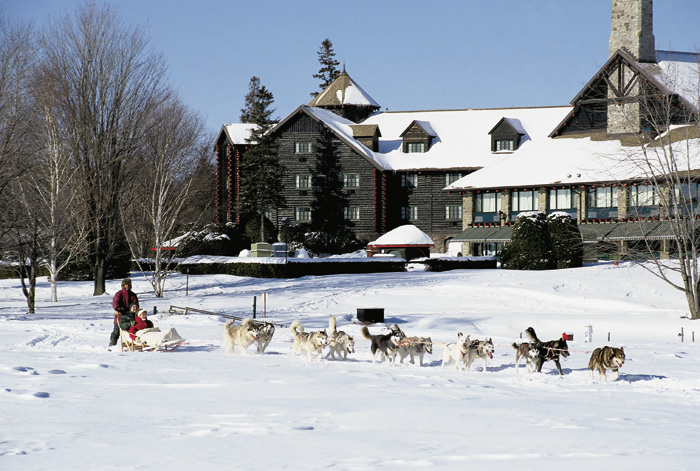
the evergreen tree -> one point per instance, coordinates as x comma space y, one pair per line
530, 247
567, 245
328, 71
327, 208
261, 174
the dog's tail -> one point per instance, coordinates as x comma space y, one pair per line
331, 324
246, 323
296, 325
516, 346
365, 333
227, 325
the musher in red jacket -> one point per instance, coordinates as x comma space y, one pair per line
122, 301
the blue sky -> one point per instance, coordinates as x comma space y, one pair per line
408, 55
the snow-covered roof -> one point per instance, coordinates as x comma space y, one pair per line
343, 91
462, 136
404, 235
678, 72
569, 160
238, 133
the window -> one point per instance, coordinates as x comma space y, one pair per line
302, 147
560, 199
302, 181
410, 180
687, 193
351, 180
453, 212
504, 144
450, 178
409, 212
488, 202
524, 200
302, 213
643, 195
602, 197
352, 213
415, 147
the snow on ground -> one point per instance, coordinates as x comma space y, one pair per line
66, 402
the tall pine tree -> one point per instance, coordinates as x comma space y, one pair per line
327, 208
261, 174
329, 66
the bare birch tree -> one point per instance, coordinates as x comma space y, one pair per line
172, 151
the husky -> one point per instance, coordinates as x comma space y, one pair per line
415, 346
387, 344
308, 342
239, 335
548, 350
265, 332
479, 349
529, 352
455, 352
339, 342
607, 358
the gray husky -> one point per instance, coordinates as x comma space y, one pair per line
607, 358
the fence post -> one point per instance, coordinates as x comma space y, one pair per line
187, 283
255, 300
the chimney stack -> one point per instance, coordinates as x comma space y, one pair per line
632, 29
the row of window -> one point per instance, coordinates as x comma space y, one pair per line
453, 212
303, 181
564, 198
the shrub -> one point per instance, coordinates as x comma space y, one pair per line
530, 247
567, 245
228, 239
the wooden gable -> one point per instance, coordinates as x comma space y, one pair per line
621, 80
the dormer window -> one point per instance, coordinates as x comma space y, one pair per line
505, 145
417, 137
507, 135
415, 147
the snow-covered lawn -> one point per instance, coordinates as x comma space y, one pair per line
66, 402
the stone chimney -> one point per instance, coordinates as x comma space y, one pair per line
632, 28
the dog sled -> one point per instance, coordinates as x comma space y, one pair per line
151, 339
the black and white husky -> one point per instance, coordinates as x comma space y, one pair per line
265, 332
386, 344
607, 358
550, 350
307, 342
479, 349
527, 351
339, 342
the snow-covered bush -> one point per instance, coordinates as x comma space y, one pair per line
567, 245
530, 247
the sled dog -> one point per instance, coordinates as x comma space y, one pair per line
339, 342
607, 358
307, 342
455, 352
265, 332
550, 350
527, 351
415, 346
386, 344
239, 335
479, 349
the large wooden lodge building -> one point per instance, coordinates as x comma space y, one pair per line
462, 176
